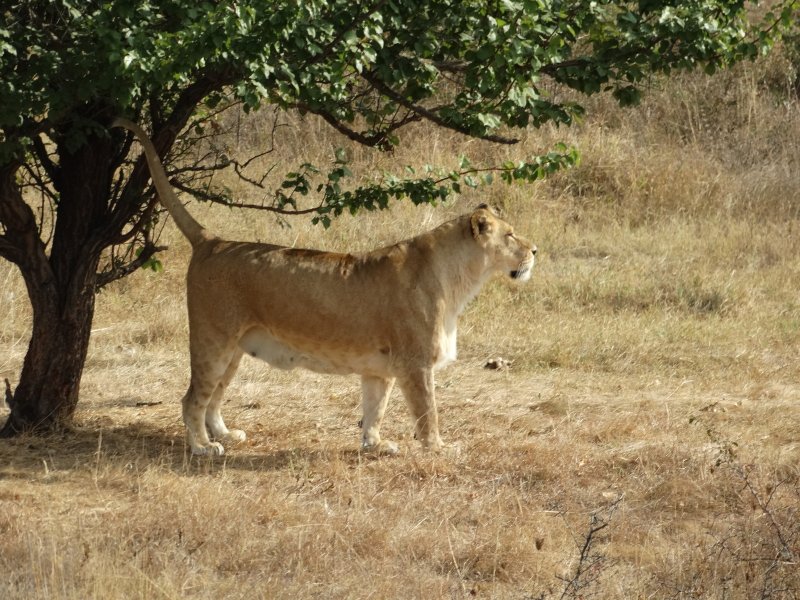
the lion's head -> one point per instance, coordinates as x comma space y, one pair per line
507, 251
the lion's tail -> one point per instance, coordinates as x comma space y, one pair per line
193, 231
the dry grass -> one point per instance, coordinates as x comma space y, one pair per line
655, 369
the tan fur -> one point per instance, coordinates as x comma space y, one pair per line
388, 315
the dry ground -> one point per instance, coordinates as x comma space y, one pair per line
645, 442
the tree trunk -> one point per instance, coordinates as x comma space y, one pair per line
49, 384
61, 286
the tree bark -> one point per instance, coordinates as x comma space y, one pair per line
49, 384
61, 286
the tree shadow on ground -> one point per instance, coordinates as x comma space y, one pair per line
145, 444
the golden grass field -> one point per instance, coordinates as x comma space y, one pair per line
645, 442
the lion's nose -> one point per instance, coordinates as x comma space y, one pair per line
533, 250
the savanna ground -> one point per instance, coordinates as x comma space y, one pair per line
645, 442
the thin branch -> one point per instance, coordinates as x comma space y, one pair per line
229, 104
220, 199
590, 563
47, 198
199, 168
430, 115
140, 223
239, 170
39, 183
120, 271
786, 551
156, 111
41, 153
379, 139
276, 114
163, 139
371, 141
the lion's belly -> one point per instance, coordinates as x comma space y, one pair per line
260, 344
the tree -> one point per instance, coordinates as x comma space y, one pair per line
76, 211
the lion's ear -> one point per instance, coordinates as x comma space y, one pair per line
480, 224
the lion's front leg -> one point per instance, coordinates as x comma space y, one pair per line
375, 393
418, 389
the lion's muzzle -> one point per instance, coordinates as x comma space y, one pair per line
523, 272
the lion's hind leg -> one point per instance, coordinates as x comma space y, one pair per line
194, 412
375, 393
208, 372
214, 421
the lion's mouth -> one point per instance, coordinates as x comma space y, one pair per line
522, 274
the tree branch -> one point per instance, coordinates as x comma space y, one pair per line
123, 270
9, 251
429, 115
139, 224
379, 139
49, 166
20, 243
163, 139
219, 199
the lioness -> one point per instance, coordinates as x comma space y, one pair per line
389, 314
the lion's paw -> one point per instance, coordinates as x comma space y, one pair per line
451, 449
433, 443
382, 448
212, 449
235, 436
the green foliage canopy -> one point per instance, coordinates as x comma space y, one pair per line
368, 68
